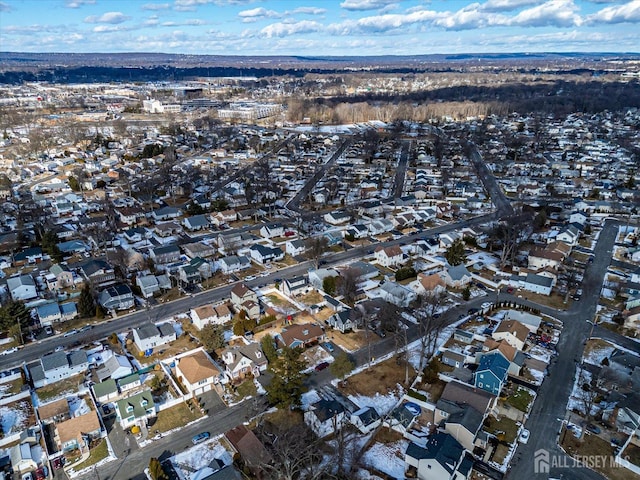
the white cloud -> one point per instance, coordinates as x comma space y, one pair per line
629, 12
108, 17
366, 4
507, 5
5, 7
557, 13
155, 6
190, 22
309, 11
256, 14
382, 23
283, 29
470, 17
187, 5
78, 3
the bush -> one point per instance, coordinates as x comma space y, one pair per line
412, 393
404, 273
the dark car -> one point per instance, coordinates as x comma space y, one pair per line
321, 366
510, 290
593, 428
471, 311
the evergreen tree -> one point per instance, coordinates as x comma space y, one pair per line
156, 472
455, 254
86, 303
287, 386
341, 366
269, 348
15, 319
212, 337
329, 285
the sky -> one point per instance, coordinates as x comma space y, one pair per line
319, 27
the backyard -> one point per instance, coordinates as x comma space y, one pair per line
97, 453
57, 389
382, 378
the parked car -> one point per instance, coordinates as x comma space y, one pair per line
9, 351
510, 290
321, 366
524, 436
328, 346
201, 437
48, 330
70, 332
486, 305
471, 311
593, 428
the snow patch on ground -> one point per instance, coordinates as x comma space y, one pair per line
309, 398
579, 399
78, 406
387, 458
199, 456
538, 376
540, 353
382, 403
13, 419
596, 355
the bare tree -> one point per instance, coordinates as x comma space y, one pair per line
348, 284
430, 325
510, 234
315, 248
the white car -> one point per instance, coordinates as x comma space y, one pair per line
486, 305
9, 351
524, 436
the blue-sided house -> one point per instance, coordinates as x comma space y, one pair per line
491, 373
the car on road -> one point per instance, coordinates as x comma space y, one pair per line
321, 366
59, 348
9, 351
592, 428
201, 437
329, 347
486, 305
524, 436
85, 328
70, 332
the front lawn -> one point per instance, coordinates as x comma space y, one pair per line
505, 429
97, 453
244, 390
175, 417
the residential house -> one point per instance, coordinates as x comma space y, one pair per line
534, 282
461, 421
137, 409
344, 320
148, 285
98, 272
397, 294
491, 373
295, 286
206, 314
429, 285
336, 218
540, 258
130, 382
114, 367
513, 332
325, 417
149, 336
244, 360
68, 311
453, 359
529, 320
197, 372
265, 254
241, 294
316, 277
271, 231
196, 222
303, 335
250, 449
226, 216
22, 287
456, 276
389, 256
63, 276
56, 366
117, 297
233, 263
48, 314
199, 249
295, 247
23, 458
29, 256
569, 235
165, 255
366, 419
166, 213
515, 357
442, 458
77, 432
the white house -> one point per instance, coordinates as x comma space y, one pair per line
366, 419
457, 276
271, 231
22, 287
295, 247
233, 263
389, 256
263, 254
218, 315
325, 417
397, 294
149, 336
243, 360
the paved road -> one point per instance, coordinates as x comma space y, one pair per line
294, 203
401, 169
550, 405
491, 186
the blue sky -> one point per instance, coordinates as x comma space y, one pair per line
319, 27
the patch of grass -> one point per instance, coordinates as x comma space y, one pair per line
591, 445
505, 429
49, 392
387, 435
500, 453
380, 378
311, 298
521, 400
434, 390
182, 344
174, 417
245, 389
97, 453
13, 387
632, 454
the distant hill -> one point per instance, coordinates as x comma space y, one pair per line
16, 67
